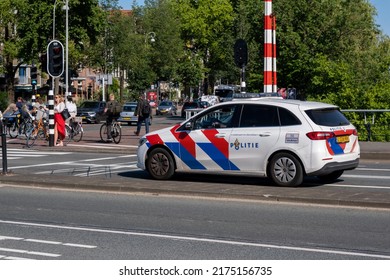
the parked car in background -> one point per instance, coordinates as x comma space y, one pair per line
204, 104
127, 114
166, 107
92, 111
190, 105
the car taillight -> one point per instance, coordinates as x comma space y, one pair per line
354, 132
320, 135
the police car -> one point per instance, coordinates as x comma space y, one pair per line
282, 139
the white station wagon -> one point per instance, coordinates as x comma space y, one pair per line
284, 140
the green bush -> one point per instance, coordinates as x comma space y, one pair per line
4, 101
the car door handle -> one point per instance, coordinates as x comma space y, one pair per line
219, 135
264, 134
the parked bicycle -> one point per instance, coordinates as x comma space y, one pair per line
116, 132
74, 130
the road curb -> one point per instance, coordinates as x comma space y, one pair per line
324, 196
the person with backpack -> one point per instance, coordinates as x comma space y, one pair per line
143, 111
113, 109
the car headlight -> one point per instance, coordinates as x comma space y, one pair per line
142, 141
92, 114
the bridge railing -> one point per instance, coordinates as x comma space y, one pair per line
372, 125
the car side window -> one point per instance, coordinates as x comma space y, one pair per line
254, 115
288, 118
221, 117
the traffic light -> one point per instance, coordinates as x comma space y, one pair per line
34, 75
240, 53
55, 58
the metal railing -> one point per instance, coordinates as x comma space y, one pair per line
372, 125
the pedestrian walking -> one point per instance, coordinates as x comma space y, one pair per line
59, 122
143, 111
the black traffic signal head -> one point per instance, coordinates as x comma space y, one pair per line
34, 74
55, 58
240, 53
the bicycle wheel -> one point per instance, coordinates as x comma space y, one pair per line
30, 140
69, 134
103, 132
116, 133
13, 130
78, 133
28, 128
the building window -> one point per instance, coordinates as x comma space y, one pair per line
23, 76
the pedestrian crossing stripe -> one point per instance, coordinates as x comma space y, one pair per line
21, 153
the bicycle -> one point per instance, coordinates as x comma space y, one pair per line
74, 130
116, 132
23, 128
40, 131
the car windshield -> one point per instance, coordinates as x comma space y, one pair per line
327, 117
89, 105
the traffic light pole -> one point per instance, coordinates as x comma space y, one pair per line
51, 118
55, 68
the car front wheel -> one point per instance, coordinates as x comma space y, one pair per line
160, 164
285, 170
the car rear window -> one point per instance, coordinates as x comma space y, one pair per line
191, 105
129, 108
327, 117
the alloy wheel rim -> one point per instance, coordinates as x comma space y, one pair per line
285, 170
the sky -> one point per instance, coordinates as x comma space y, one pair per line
382, 7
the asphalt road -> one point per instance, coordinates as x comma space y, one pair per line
53, 224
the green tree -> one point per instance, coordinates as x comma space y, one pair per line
28, 26
206, 28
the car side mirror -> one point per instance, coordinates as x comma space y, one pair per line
188, 126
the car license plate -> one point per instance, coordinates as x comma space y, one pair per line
83, 117
126, 118
342, 139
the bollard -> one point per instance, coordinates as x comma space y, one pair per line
3, 147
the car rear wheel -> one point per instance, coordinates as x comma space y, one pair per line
160, 164
329, 178
285, 170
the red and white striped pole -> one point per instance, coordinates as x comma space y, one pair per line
270, 75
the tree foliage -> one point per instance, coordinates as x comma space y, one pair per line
329, 50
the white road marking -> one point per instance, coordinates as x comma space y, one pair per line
367, 176
206, 240
29, 252
103, 145
2, 237
358, 187
72, 162
373, 169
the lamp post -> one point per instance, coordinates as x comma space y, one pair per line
54, 19
66, 7
67, 50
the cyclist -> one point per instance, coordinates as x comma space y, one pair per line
112, 110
